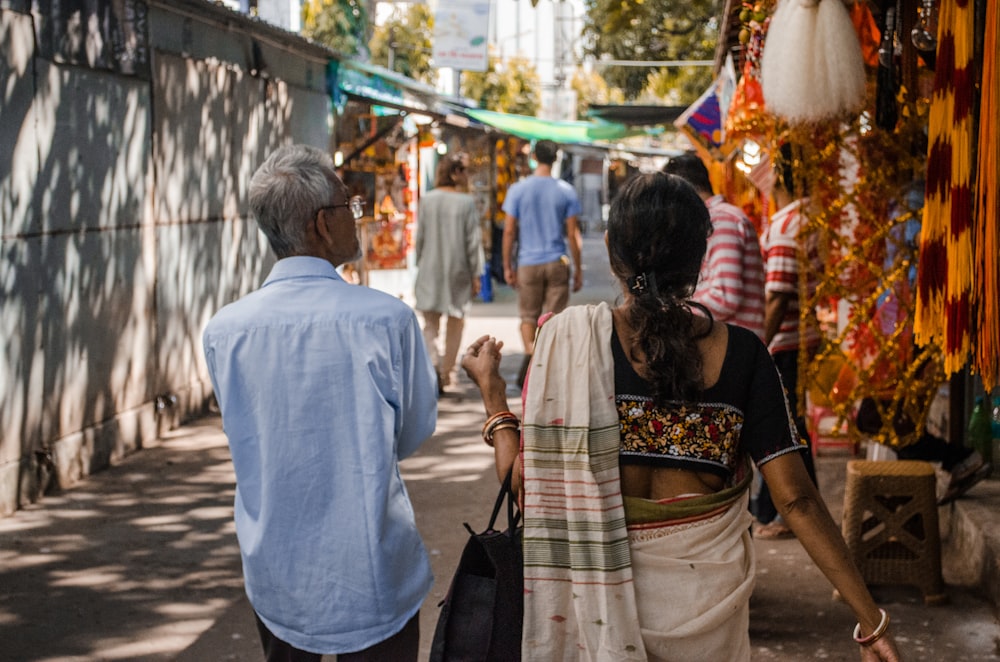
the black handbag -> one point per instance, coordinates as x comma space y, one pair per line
482, 613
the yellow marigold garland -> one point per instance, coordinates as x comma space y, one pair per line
986, 295
945, 274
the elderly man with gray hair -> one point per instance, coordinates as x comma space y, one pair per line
323, 387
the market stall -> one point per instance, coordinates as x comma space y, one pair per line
389, 133
897, 154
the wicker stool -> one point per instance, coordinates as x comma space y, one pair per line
891, 524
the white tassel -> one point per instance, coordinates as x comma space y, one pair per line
812, 68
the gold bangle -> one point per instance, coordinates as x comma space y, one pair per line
506, 425
496, 417
488, 432
501, 424
876, 634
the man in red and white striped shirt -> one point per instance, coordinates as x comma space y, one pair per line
782, 247
784, 333
731, 284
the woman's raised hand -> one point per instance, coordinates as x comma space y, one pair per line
481, 362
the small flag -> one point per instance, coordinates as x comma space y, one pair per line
702, 121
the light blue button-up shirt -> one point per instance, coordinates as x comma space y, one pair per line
324, 386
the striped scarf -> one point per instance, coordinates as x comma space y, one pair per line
579, 599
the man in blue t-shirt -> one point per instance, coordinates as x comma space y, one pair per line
542, 214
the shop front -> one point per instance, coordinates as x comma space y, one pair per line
381, 121
895, 154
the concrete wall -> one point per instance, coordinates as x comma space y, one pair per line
123, 226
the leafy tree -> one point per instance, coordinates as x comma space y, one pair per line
340, 24
677, 87
409, 33
591, 88
654, 30
506, 87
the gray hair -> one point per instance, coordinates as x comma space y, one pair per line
285, 193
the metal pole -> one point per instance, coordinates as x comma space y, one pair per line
517, 29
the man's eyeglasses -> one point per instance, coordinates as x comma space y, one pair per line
355, 204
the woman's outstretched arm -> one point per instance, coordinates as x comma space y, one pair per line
804, 511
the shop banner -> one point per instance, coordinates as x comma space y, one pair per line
460, 29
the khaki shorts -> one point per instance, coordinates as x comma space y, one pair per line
542, 288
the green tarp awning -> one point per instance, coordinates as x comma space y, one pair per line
534, 128
378, 86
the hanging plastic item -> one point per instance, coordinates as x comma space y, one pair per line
887, 82
868, 32
812, 68
747, 117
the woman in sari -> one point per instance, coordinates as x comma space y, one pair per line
632, 460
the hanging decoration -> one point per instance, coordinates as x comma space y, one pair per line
945, 274
506, 173
986, 295
866, 188
746, 117
868, 32
923, 35
702, 121
812, 68
887, 79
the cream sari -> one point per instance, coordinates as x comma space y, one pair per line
608, 578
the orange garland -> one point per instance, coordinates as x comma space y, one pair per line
986, 296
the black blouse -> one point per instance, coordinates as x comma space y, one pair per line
743, 413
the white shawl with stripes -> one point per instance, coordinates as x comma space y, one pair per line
579, 601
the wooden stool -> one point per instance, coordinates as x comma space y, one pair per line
891, 524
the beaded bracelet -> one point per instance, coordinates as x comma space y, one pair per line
876, 634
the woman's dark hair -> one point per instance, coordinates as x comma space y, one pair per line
447, 167
658, 231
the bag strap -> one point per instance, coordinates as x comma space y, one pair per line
505, 493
